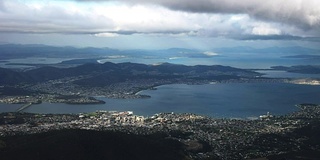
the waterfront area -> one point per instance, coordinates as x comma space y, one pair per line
206, 100
225, 138
79, 84
62, 91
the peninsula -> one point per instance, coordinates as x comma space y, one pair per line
78, 85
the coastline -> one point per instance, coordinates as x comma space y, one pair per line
224, 138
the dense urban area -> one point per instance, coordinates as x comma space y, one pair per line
203, 137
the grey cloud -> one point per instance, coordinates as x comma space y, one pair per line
282, 11
131, 32
268, 37
304, 14
50, 19
123, 32
2, 7
58, 19
276, 37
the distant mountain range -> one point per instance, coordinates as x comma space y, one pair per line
274, 50
108, 73
305, 69
13, 51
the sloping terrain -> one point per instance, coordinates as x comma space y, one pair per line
85, 145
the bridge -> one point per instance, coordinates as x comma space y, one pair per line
24, 107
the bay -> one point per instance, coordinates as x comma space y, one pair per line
235, 100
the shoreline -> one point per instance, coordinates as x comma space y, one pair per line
90, 99
223, 137
125, 104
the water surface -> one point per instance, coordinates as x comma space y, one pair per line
238, 100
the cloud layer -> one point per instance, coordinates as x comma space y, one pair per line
302, 13
238, 19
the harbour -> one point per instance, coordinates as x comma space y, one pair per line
233, 100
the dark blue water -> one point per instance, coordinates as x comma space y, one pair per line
217, 100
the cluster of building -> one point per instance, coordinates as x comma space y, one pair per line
102, 119
228, 138
123, 90
306, 81
36, 99
19, 99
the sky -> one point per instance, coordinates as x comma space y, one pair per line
160, 24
